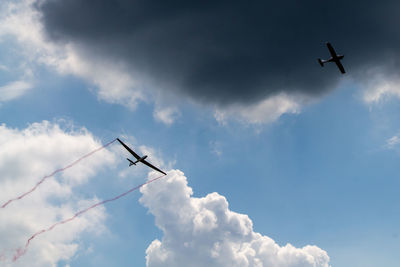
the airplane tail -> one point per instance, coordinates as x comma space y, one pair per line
130, 162
320, 62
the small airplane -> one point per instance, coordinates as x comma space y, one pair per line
139, 158
335, 58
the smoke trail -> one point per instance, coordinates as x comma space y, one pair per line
55, 172
21, 251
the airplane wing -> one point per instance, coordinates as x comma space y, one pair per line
331, 50
153, 167
128, 148
340, 66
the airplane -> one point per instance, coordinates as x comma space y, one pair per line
335, 58
139, 158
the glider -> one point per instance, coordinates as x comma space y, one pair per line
334, 58
139, 158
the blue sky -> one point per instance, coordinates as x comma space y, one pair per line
325, 175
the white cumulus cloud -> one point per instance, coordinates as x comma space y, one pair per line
205, 232
26, 155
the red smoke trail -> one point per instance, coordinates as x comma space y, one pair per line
21, 251
55, 172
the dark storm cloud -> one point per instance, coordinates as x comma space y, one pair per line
231, 51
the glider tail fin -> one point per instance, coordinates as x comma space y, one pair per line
130, 162
320, 62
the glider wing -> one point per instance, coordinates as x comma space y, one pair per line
153, 167
128, 148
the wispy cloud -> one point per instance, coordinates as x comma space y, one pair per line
265, 111
13, 90
381, 87
166, 115
215, 147
392, 142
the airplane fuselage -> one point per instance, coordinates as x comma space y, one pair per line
336, 58
138, 160
141, 159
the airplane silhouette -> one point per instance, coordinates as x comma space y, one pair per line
139, 158
334, 58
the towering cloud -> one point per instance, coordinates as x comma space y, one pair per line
204, 232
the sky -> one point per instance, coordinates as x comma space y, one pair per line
271, 159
